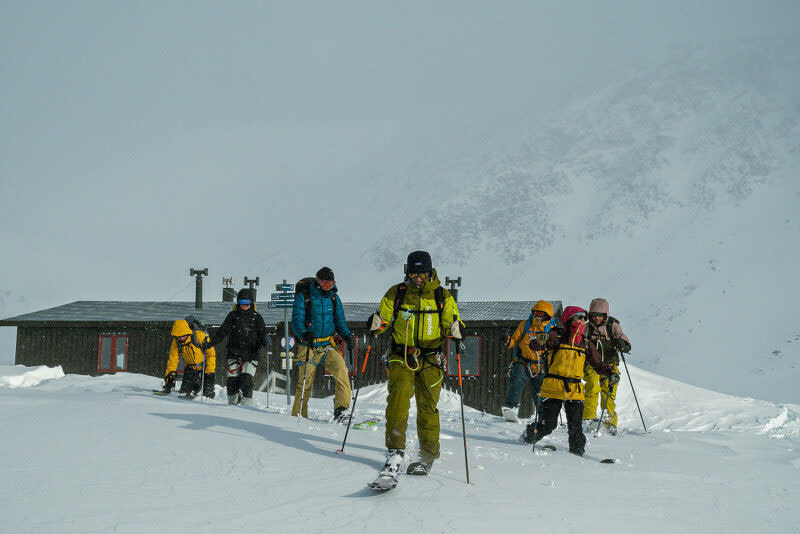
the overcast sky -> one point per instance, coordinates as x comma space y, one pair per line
138, 139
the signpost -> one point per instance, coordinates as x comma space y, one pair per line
285, 299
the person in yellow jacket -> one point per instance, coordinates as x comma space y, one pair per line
605, 333
525, 363
567, 352
187, 343
420, 315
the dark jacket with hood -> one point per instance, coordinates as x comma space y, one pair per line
245, 330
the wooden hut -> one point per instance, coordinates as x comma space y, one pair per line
97, 337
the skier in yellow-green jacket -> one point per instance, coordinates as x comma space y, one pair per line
420, 315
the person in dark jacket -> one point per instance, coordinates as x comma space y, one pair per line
247, 333
315, 333
567, 352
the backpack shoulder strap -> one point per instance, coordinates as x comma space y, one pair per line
609, 326
399, 295
438, 297
528, 324
304, 286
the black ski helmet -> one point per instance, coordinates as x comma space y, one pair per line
419, 262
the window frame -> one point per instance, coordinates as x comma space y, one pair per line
113, 337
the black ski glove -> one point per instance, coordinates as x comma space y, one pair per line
622, 345
349, 342
169, 382
208, 385
206, 344
308, 337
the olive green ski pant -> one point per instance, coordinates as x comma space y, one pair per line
424, 385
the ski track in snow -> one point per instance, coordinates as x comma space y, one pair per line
103, 454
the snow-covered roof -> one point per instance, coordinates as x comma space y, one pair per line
213, 313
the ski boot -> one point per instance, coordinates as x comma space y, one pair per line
394, 459
531, 434
387, 479
340, 415
509, 414
247, 401
236, 398
590, 425
420, 468
611, 428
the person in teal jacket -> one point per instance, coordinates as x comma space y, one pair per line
315, 333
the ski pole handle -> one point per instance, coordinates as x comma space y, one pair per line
366, 356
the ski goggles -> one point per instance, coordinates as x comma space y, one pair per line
541, 315
421, 276
579, 317
245, 302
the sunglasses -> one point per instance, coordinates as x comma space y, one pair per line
541, 315
596, 314
327, 282
422, 276
245, 302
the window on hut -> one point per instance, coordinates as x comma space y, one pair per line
113, 353
470, 358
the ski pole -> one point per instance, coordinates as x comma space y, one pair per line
602, 414
461, 396
309, 354
355, 399
203, 377
634, 391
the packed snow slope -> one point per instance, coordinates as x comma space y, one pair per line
82, 454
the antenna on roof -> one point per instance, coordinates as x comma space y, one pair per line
198, 291
453, 283
228, 293
252, 282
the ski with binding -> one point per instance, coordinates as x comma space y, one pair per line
585, 457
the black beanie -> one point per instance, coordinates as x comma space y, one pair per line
419, 262
325, 274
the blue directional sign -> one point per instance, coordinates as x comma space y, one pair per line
280, 304
281, 296
284, 287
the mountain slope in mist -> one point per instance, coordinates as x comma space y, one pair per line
674, 194
704, 128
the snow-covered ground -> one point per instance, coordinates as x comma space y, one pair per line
83, 454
